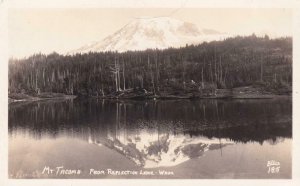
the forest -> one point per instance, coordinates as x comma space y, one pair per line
196, 70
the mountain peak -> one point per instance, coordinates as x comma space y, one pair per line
150, 33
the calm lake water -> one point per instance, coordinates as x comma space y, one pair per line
90, 138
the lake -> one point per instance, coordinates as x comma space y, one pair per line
94, 138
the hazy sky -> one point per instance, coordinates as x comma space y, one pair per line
61, 30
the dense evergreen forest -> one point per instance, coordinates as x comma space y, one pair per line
233, 62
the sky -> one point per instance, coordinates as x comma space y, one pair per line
34, 30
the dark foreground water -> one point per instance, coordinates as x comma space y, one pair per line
90, 138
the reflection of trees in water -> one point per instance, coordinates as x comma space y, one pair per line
259, 133
243, 120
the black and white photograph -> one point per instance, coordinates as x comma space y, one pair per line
150, 93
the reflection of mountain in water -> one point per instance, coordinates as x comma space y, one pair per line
156, 133
154, 150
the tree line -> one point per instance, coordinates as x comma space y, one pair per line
232, 62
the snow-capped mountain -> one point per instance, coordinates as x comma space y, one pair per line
150, 150
152, 33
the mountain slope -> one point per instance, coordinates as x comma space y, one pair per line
145, 33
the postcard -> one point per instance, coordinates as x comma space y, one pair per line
190, 91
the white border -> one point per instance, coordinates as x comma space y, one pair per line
5, 4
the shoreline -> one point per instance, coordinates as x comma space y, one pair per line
270, 96
15, 98
55, 96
